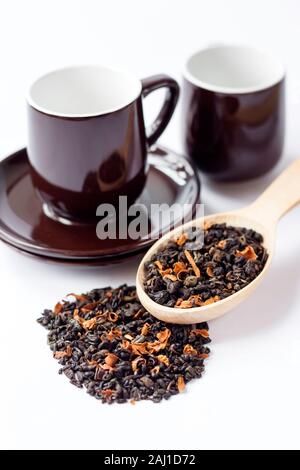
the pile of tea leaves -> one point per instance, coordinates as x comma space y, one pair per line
201, 267
106, 342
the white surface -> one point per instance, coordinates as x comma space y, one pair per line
83, 91
233, 69
249, 397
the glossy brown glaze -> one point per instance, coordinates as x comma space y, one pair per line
24, 224
233, 137
79, 163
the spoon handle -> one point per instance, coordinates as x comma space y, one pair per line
280, 197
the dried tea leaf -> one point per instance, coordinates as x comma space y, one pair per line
247, 253
188, 349
163, 359
182, 239
191, 260
181, 275
180, 384
138, 314
222, 244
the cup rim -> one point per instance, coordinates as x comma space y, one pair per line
228, 89
73, 115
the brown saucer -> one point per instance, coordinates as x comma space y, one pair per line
24, 224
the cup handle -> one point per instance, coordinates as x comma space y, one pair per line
154, 83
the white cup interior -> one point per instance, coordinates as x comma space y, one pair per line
83, 91
233, 69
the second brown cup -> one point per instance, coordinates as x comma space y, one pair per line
87, 140
233, 111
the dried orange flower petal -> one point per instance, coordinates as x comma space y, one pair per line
204, 356
81, 298
247, 253
155, 370
210, 272
145, 329
180, 384
126, 345
172, 277
188, 349
58, 308
113, 334
89, 307
61, 354
163, 359
194, 300
89, 324
113, 317
182, 239
179, 266
136, 362
107, 393
111, 359
165, 272
192, 263
164, 335
128, 337
139, 348
211, 300
203, 333
159, 265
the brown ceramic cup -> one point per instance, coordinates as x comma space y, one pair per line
233, 111
87, 139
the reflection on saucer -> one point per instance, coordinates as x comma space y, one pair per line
27, 224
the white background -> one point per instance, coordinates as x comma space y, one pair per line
249, 396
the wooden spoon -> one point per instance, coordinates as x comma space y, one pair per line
261, 216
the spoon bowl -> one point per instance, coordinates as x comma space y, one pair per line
261, 216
